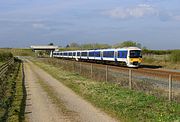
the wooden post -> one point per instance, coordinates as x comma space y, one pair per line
91, 71
106, 73
170, 87
80, 68
74, 64
130, 79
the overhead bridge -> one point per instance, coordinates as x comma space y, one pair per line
48, 48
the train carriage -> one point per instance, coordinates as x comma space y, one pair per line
131, 56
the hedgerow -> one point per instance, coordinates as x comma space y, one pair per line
175, 56
4, 56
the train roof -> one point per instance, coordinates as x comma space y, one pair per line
129, 48
110, 49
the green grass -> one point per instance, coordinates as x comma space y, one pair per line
166, 61
1, 63
124, 104
18, 51
16, 112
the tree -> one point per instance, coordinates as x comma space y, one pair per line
51, 44
67, 46
128, 44
74, 44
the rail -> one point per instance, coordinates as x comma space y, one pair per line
4, 67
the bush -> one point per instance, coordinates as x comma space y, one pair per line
175, 56
156, 52
4, 56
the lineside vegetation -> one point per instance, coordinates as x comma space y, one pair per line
18, 51
4, 56
122, 103
11, 91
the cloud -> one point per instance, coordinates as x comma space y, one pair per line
176, 17
168, 16
138, 11
38, 26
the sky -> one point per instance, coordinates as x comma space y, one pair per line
153, 23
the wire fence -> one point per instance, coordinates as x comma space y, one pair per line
160, 84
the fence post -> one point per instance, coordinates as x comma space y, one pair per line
80, 67
91, 71
106, 73
170, 87
130, 79
74, 66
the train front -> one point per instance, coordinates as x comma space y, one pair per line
134, 58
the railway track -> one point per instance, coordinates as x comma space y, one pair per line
150, 72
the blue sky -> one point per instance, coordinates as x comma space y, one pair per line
153, 23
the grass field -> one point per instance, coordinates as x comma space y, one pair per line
124, 104
161, 60
18, 51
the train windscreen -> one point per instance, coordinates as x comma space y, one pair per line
135, 54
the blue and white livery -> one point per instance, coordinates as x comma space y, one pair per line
131, 56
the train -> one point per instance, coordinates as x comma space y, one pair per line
130, 56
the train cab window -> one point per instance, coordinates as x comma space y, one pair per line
108, 54
84, 54
135, 54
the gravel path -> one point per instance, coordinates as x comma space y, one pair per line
40, 107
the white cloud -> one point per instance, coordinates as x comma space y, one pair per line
177, 17
138, 11
39, 26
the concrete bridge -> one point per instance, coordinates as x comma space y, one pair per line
49, 48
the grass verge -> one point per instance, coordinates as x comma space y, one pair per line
124, 104
17, 109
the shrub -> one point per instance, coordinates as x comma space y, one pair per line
4, 56
175, 56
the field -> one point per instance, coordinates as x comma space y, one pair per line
163, 61
122, 103
18, 51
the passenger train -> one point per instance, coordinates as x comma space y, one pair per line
131, 56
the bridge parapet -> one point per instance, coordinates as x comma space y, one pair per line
50, 48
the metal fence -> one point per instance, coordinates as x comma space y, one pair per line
160, 84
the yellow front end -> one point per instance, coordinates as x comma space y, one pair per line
135, 61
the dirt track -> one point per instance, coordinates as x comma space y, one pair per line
41, 108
